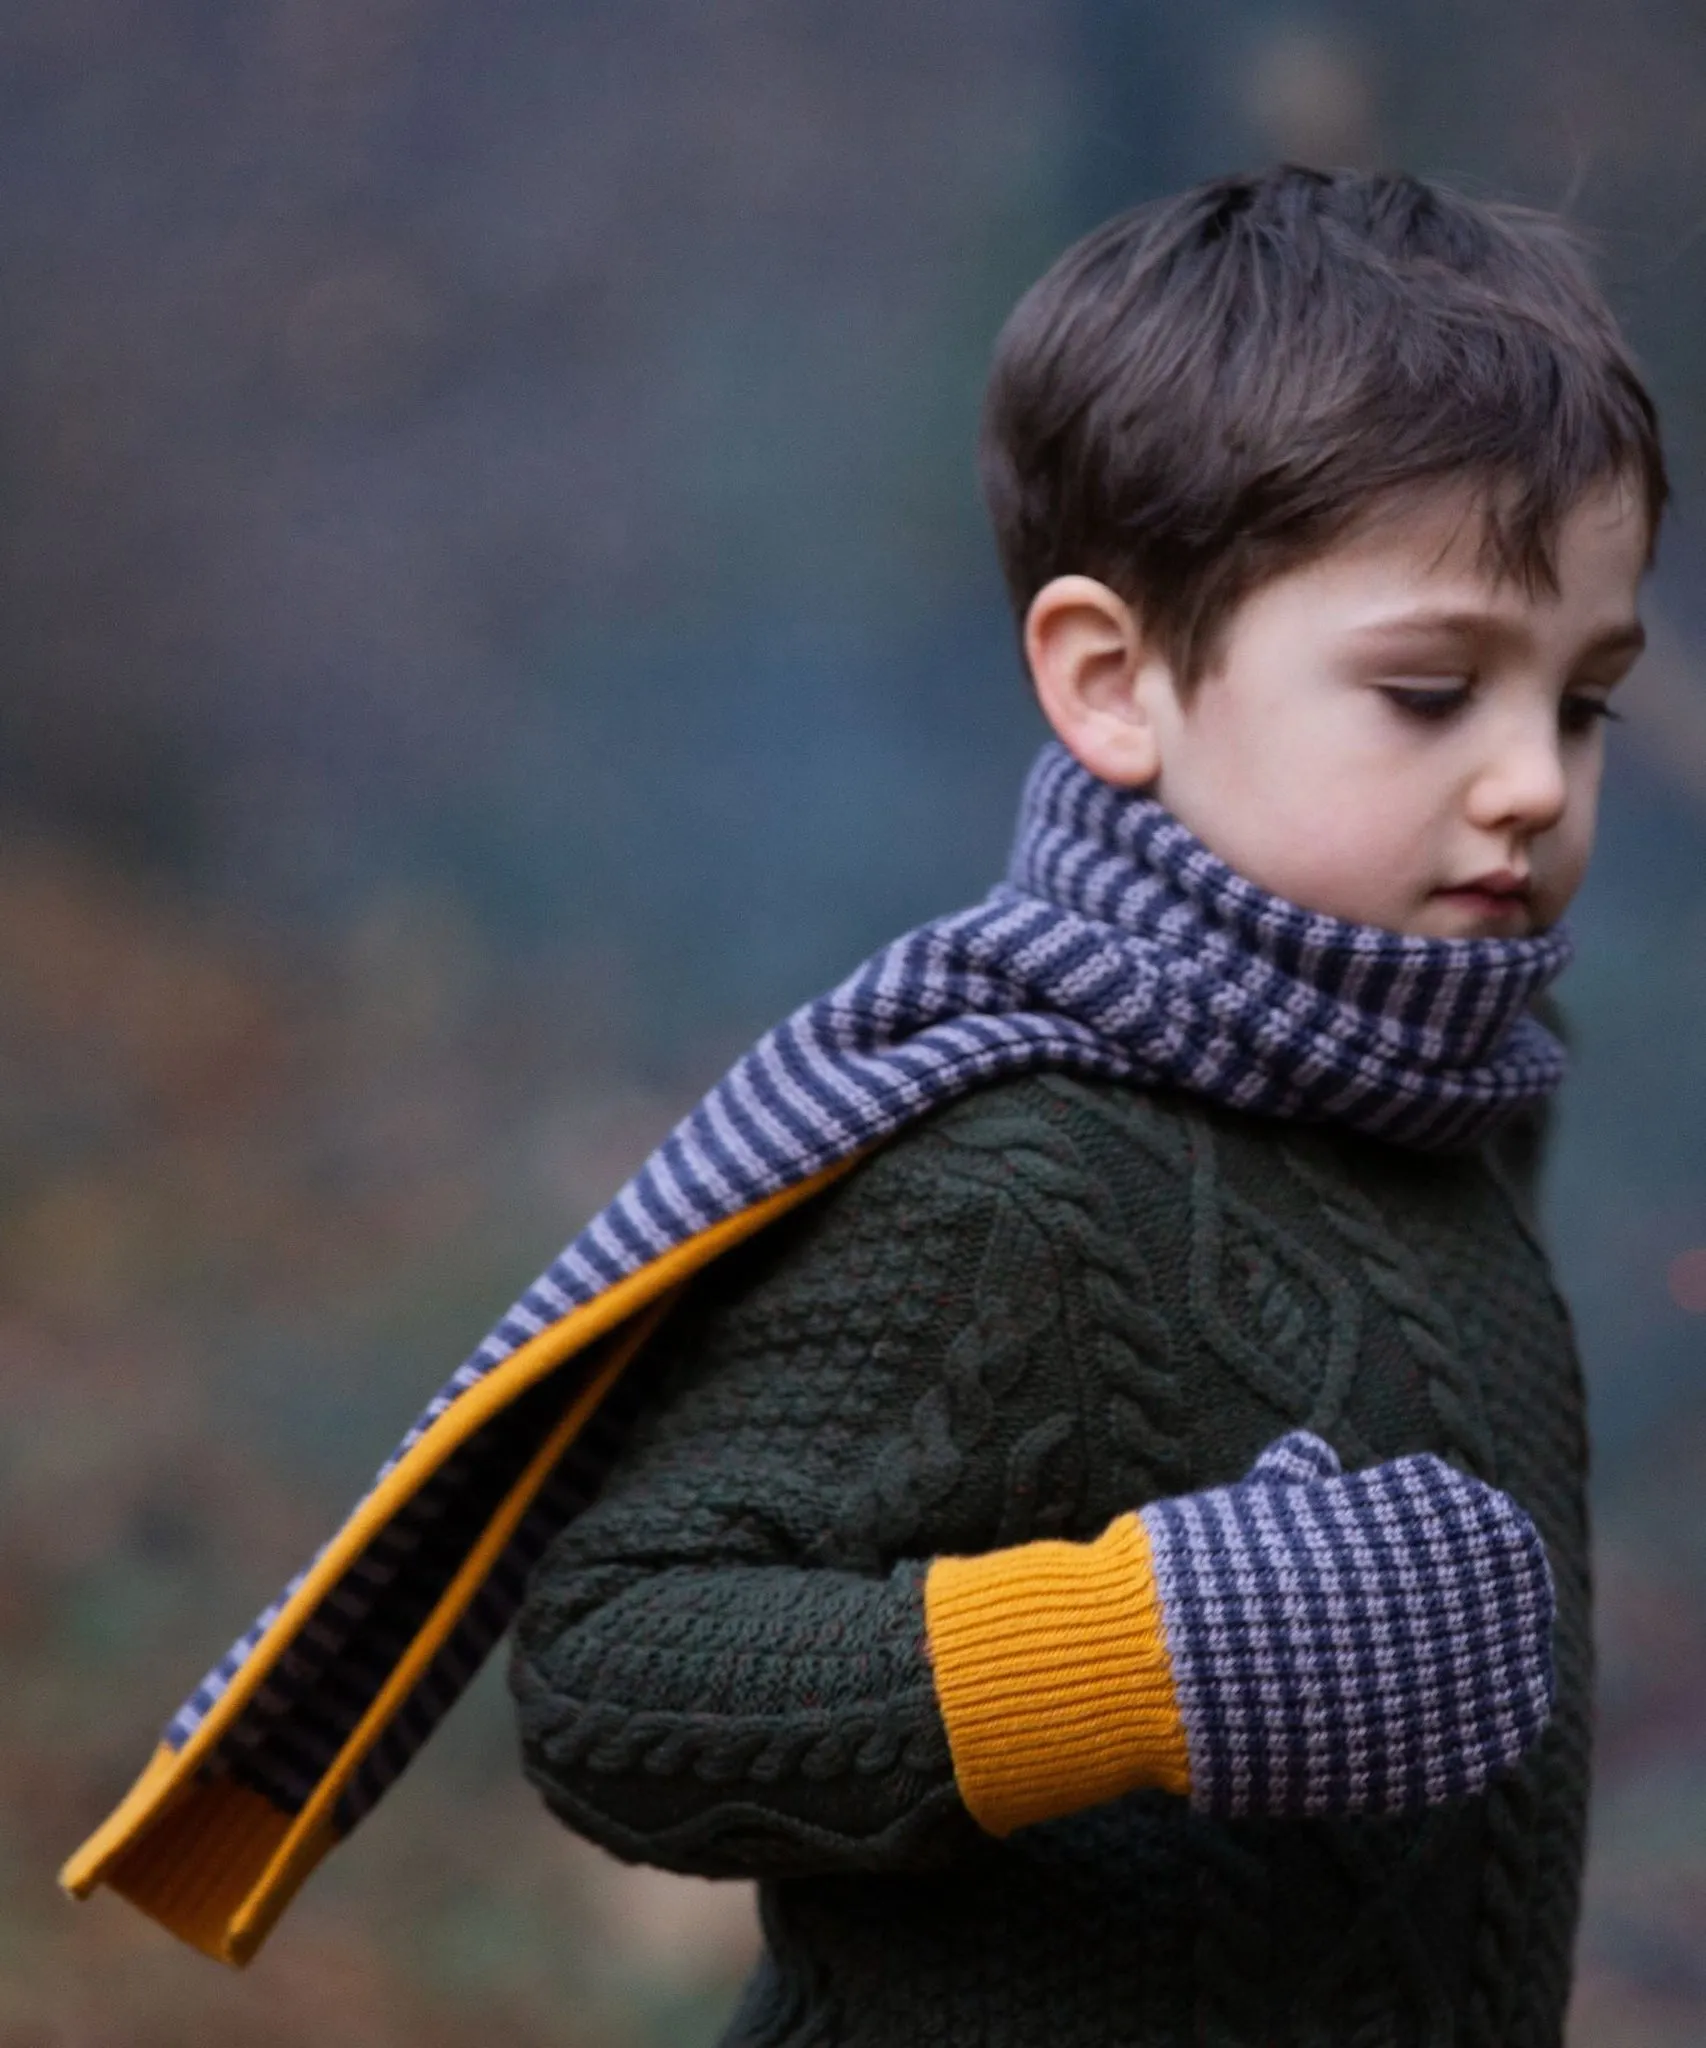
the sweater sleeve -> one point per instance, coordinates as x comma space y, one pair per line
795, 1634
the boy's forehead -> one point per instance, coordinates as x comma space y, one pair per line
1431, 550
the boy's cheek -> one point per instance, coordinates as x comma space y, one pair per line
1368, 865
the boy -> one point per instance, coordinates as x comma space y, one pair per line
1094, 1561
1323, 503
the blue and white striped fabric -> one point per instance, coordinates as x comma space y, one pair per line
1370, 1642
1118, 946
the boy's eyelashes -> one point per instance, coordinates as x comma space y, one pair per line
1581, 714
1432, 701
1577, 713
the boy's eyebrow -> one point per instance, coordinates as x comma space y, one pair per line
1628, 638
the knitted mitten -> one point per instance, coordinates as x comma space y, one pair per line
1351, 1642
1306, 1641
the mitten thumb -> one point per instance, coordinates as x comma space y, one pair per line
1294, 1460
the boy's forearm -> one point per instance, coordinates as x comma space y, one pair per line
1305, 1642
764, 1721
745, 1721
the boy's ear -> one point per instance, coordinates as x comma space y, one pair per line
1096, 678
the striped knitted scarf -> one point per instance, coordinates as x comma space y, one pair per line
1118, 946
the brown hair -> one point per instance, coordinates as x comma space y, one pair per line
1213, 388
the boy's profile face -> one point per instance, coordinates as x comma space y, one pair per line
1390, 733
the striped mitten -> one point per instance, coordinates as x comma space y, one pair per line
1306, 1641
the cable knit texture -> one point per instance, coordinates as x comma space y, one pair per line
1054, 1303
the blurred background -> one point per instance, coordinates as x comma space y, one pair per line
494, 608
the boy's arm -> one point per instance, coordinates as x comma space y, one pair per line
798, 1635
722, 1666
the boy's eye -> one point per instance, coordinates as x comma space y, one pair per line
1582, 714
1577, 714
1417, 701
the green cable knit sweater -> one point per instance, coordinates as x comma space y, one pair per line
1035, 1310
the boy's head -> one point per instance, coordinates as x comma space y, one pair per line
1324, 501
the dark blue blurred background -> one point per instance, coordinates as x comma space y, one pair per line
494, 608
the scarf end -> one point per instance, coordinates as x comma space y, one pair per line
212, 1861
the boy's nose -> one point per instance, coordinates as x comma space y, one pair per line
1522, 781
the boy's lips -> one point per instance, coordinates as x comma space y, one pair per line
1503, 893
1500, 882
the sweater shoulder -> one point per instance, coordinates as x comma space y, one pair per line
954, 1347
1022, 1177
1036, 1138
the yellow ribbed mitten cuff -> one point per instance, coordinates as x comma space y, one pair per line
1052, 1676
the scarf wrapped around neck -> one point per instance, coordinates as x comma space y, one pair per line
1118, 946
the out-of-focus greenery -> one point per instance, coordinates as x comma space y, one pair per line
494, 607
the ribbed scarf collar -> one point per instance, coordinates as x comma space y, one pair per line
1223, 988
